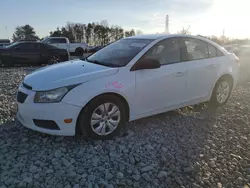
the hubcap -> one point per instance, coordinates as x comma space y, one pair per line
223, 92
105, 119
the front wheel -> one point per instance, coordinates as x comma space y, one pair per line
103, 117
221, 92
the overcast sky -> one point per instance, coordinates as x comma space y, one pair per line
205, 17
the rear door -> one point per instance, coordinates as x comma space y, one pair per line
203, 67
26, 53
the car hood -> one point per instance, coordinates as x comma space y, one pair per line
65, 74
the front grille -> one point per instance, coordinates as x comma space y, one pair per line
27, 86
21, 97
46, 124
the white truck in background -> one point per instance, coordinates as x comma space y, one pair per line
63, 42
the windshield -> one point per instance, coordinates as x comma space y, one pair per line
44, 40
11, 45
119, 53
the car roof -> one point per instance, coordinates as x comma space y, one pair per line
158, 36
165, 36
28, 42
57, 37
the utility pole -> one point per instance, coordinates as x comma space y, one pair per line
223, 36
167, 25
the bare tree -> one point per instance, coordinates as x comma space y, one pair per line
92, 33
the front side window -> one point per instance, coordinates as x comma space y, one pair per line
29, 46
54, 41
62, 40
166, 51
119, 53
196, 49
48, 46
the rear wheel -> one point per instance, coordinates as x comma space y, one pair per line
103, 117
221, 92
1, 63
79, 52
53, 60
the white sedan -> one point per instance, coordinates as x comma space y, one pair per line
129, 79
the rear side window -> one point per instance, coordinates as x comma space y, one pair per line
212, 51
196, 49
219, 53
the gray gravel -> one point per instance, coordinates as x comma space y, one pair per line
192, 147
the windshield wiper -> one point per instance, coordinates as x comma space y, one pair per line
99, 62
94, 61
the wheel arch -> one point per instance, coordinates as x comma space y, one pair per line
226, 76
79, 48
122, 98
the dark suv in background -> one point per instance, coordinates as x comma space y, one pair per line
4, 42
31, 53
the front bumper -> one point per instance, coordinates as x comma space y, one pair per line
30, 113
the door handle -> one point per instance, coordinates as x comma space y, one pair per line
178, 74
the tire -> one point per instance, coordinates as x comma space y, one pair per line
1, 63
97, 127
79, 51
53, 60
221, 92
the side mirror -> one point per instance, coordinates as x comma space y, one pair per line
146, 64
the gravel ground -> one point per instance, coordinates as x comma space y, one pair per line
192, 147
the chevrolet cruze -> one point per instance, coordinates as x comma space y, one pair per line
132, 78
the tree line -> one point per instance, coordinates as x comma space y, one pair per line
91, 33
95, 34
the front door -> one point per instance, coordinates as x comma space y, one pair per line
26, 53
159, 89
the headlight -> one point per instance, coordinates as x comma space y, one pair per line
52, 96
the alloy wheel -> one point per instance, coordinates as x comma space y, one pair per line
105, 119
223, 92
